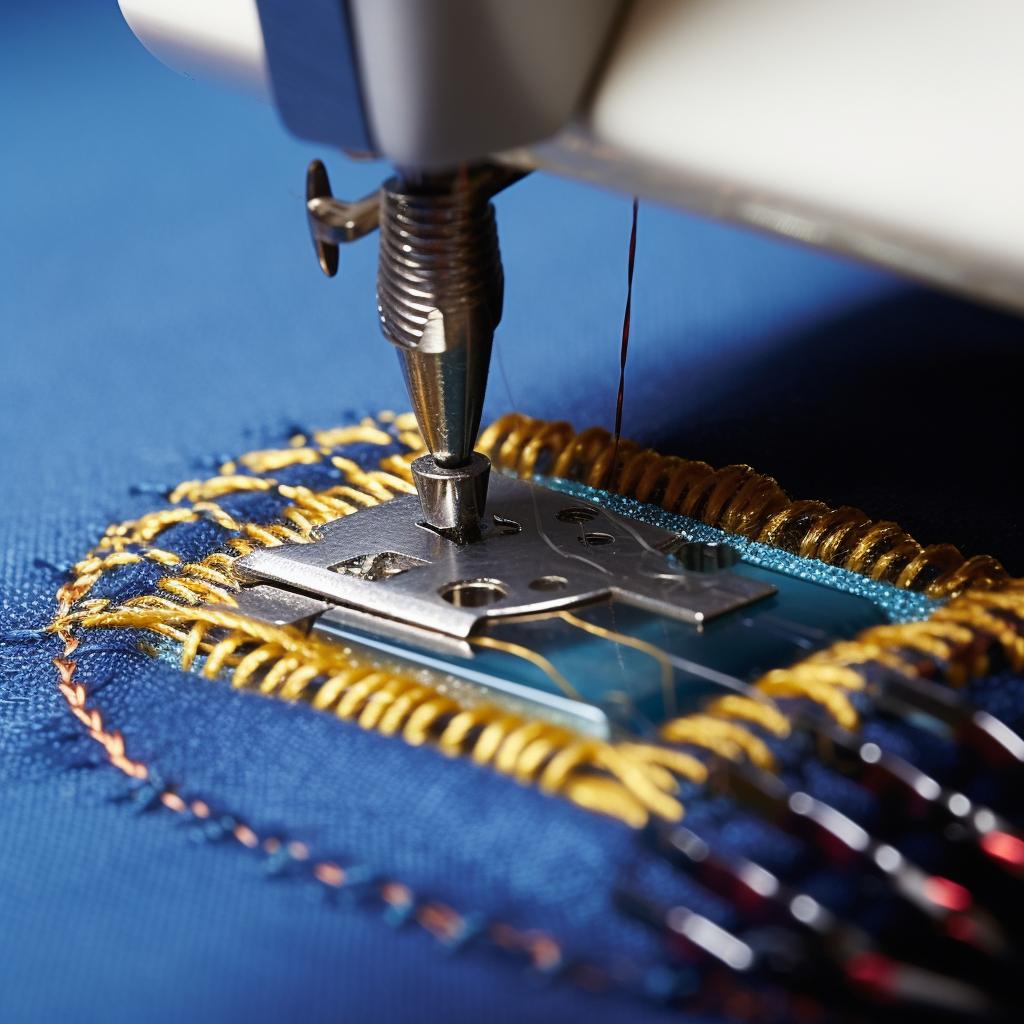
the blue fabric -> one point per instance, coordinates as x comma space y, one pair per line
160, 309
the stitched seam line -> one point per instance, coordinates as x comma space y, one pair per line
628, 781
632, 780
739, 500
446, 924
955, 644
280, 854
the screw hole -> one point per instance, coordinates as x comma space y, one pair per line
548, 583
596, 540
576, 514
473, 593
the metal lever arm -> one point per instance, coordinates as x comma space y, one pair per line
334, 221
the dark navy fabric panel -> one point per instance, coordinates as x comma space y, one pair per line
160, 310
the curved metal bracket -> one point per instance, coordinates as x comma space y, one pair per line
333, 222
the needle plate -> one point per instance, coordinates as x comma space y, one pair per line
562, 609
539, 551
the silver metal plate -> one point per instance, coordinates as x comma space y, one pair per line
540, 551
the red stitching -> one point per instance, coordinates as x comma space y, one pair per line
445, 923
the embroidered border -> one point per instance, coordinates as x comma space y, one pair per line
961, 640
628, 780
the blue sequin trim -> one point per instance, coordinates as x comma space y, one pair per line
897, 604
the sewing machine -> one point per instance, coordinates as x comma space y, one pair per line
880, 131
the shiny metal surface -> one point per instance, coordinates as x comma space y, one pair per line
453, 498
455, 672
449, 81
448, 661
333, 221
538, 552
439, 296
279, 606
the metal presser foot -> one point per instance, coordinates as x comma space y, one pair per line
439, 297
539, 551
453, 498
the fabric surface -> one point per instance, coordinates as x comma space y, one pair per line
160, 309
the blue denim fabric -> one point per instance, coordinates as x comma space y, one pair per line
159, 307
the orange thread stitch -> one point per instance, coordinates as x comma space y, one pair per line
442, 921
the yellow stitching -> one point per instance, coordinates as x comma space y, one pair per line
679, 763
143, 529
412, 440
762, 713
216, 487
398, 465
606, 796
634, 780
406, 421
278, 672
361, 478
252, 663
667, 671
190, 647
214, 512
322, 503
427, 716
437, 918
720, 735
980, 618
338, 437
361, 498
89, 570
222, 653
273, 459
140, 531
528, 654
737, 499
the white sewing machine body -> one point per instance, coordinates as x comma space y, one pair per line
887, 131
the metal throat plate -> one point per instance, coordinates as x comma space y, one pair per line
539, 551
